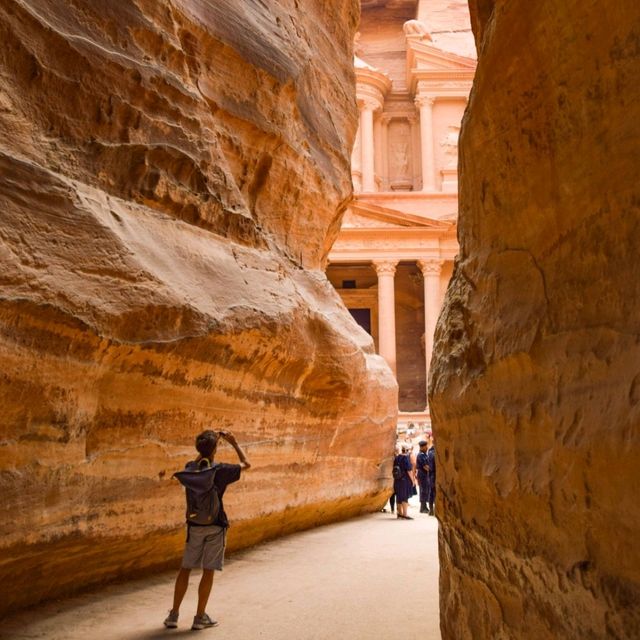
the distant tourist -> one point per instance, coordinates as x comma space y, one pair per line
431, 463
412, 460
422, 467
402, 482
205, 483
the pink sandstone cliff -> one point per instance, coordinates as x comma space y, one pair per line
535, 393
172, 175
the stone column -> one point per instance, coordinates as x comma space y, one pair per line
386, 271
431, 272
356, 162
366, 131
425, 104
384, 149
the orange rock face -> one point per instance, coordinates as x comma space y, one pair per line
535, 393
171, 177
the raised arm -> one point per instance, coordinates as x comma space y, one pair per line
231, 439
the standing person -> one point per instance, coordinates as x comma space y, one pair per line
414, 480
207, 523
402, 483
431, 463
422, 467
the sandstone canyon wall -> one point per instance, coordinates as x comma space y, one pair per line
535, 393
172, 176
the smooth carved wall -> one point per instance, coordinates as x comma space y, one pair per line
171, 176
535, 390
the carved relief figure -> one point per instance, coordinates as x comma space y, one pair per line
400, 158
450, 144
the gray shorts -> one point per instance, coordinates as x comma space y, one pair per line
204, 547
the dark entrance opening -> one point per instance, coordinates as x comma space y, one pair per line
363, 318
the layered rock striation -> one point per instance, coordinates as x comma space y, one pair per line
172, 175
536, 377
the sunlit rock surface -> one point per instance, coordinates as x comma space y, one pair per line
536, 386
172, 175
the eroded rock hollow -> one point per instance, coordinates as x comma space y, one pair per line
172, 175
535, 393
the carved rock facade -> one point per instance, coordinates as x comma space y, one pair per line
172, 176
535, 389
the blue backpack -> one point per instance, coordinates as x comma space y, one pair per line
203, 501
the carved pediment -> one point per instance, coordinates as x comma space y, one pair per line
425, 55
434, 67
368, 216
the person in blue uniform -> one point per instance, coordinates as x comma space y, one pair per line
423, 475
431, 463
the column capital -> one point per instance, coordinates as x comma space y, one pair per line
385, 267
370, 104
424, 101
386, 118
430, 266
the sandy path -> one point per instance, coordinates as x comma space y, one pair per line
374, 577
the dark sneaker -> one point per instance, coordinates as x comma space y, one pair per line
171, 621
203, 622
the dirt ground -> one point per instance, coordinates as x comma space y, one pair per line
374, 577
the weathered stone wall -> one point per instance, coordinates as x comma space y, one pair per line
171, 177
535, 389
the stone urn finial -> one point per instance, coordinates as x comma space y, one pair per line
417, 28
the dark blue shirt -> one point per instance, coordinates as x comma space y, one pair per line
422, 462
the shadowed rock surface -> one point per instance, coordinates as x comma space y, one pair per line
535, 389
172, 175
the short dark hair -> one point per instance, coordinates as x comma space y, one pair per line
206, 443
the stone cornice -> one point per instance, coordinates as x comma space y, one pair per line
406, 195
367, 256
442, 87
415, 236
362, 244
